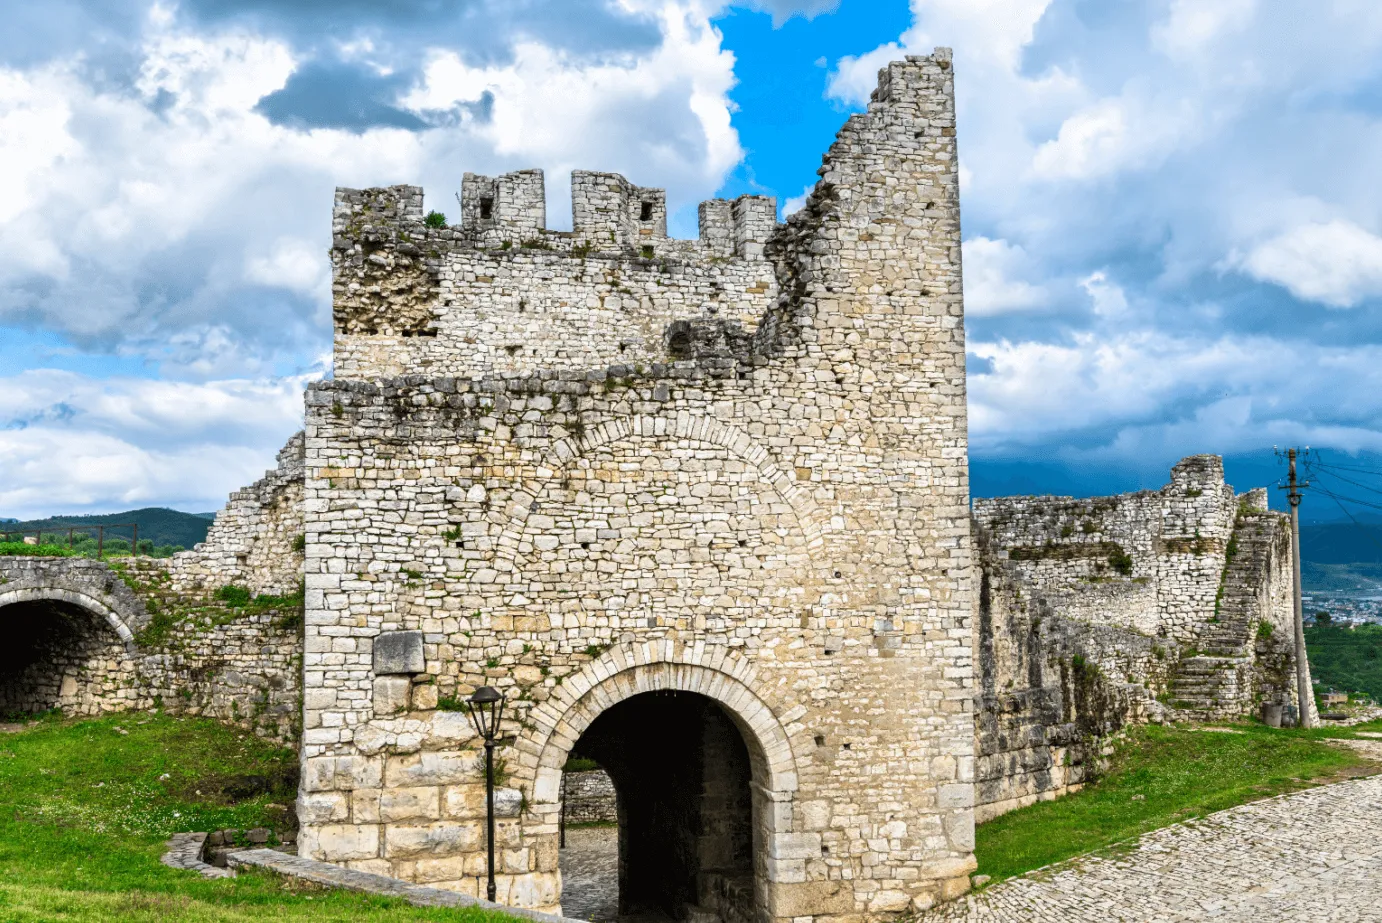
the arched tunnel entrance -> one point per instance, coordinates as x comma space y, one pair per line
683, 848
49, 650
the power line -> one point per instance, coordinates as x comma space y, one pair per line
1329, 470
1361, 527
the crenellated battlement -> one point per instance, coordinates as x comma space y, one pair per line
501, 292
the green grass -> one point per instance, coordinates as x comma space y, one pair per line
1161, 776
85, 811
44, 551
1347, 659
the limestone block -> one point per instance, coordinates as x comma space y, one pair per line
414, 803
398, 652
437, 839
889, 901
507, 802
424, 697
433, 768
391, 695
795, 846
811, 899
322, 807
338, 842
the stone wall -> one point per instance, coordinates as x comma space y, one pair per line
774, 516
1096, 613
588, 798
89, 637
257, 540
503, 294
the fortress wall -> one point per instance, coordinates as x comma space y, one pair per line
773, 517
1098, 613
502, 294
184, 652
257, 540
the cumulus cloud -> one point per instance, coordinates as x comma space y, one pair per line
193, 196
994, 272
1126, 395
71, 443
1336, 263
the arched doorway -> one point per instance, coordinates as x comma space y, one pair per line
50, 647
683, 848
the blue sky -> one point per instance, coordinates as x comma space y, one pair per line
1173, 228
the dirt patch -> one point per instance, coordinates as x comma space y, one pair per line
233, 788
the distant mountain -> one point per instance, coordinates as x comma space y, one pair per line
164, 526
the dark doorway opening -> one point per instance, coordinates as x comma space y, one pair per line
49, 646
685, 805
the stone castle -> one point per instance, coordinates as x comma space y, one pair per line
701, 510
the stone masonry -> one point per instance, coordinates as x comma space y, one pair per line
589, 466
1097, 613
700, 509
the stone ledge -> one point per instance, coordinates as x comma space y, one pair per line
185, 852
323, 873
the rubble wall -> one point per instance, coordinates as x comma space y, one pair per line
1102, 612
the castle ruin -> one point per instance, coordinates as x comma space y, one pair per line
700, 509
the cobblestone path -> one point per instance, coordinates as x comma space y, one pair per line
590, 874
1314, 856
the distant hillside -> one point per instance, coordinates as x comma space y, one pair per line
1347, 659
163, 526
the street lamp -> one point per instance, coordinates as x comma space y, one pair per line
486, 711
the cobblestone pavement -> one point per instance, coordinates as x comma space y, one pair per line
1314, 857
590, 874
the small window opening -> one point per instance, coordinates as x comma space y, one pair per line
820, 740
486, 207
646, 213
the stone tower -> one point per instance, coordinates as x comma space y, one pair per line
699, 508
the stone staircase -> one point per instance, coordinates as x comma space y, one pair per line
1215, 680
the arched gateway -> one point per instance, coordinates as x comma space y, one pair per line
64, 620
699, 508
703, 770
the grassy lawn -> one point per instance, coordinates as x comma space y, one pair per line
1161, 776
85, 811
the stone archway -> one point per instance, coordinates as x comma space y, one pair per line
58, 643
611, 682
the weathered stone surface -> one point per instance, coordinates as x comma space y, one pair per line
582, 467
398, 652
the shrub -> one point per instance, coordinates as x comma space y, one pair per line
233, 596
435, 220
1121, 561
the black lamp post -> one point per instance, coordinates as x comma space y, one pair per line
486, 711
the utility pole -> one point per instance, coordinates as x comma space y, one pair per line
1304, 694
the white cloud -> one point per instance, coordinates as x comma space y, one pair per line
1336, 263
784, 10
135, 216
1191, 25
1140, 394
294, 264
1109, 300
797, 202
993, 283
69, 443
1111, 136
